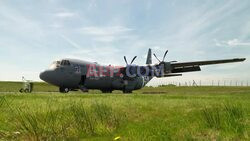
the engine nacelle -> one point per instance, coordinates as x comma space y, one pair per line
166, 66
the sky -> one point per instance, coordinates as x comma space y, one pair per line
35, 33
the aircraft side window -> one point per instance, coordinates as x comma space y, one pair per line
68, 62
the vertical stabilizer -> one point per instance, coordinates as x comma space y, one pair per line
149, 57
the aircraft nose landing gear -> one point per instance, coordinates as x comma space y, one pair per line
63, 90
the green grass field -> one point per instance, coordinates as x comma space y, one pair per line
163, 113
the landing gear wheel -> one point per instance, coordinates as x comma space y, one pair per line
21, 90
106, 91
64, 90
127, 91
83, 89
26, 90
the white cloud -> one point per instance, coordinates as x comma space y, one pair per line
237, 42
92, 4
13, 21
96, 54
104, 31
71, 42
107, 34
231, 43
65, 14
105, 38
56, 25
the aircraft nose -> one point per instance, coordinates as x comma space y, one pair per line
45, 75
50, 76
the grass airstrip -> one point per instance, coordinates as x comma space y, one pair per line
162, 113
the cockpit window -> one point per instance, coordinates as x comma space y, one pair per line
55, 65
65, 63
62, 63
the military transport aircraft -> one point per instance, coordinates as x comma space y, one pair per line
72, 74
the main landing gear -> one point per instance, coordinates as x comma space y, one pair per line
106, 91
83, 89
127, 91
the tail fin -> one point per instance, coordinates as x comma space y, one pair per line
149, 57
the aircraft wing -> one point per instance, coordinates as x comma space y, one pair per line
195, 66
211, 62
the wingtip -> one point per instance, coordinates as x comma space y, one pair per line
240, 59
243, 59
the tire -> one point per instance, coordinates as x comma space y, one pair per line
21, 90
26, 90
83, 89
106, 91
63, 90
127, 91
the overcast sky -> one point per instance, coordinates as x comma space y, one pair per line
33, 33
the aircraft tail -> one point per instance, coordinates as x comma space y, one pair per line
149, 57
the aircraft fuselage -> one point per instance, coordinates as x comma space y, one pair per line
72, 74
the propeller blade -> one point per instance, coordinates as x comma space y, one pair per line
165, 55
125, 60
157, 58
133, 60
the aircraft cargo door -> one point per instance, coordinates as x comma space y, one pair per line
83, 79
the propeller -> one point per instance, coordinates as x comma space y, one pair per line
157, 58
163, 59
125, 59
130, 67
165, 54
133, 60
